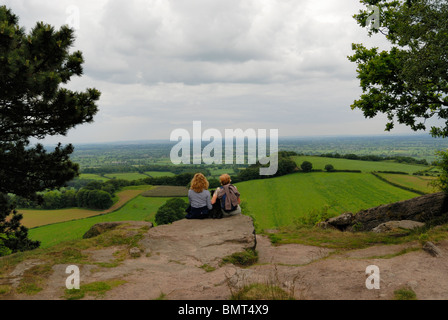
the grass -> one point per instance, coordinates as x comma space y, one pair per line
334, 239
126, 176
166, 191
92, 176
156, 174
217, 172
364, 166
33, 279
415, 182
261, 291
242, 259
97, 289
278, 202
404, 294
36, 218
207, 268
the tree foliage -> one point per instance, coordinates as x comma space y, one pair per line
172, 210
408, 82
33, 66
306, 166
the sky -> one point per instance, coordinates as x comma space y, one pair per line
259, 64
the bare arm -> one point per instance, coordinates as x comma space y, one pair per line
215, 195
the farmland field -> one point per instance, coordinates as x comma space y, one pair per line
415, 182
278, 201
156, 174
92, 176
166, 191
217, 172
364, 166
35, 218
138, 209
126, 176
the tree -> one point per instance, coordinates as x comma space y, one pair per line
409, 82
34, 105
99, 199
172, 210
442, 182
285, 166
329, 168
306, 166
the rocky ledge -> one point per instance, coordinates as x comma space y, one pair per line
422, 209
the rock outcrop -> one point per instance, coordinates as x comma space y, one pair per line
394, 225
200, 242
421, 209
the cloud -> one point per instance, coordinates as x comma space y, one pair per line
161, 64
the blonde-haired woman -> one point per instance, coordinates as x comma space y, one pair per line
199, 197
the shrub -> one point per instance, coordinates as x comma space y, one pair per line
313, 217
4, 251
172, 210
242, 259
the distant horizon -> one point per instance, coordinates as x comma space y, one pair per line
158, 141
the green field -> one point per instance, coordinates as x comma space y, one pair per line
139, 208
278, 201
273, 202
36, 218
217, 172
415, 182
364, 166
156, 174
126, 176
92, 176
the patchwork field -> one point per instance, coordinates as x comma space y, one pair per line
137, 209
272, 202
166, 191
126, 176
364, 166
92, 176
279, 201
422, 184
156, 174
35, 218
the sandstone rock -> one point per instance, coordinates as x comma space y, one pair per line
199, 242
341, 222
421, 209
432, 249
102, 227
135, 252
393, 225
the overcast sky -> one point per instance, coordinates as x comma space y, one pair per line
262, 64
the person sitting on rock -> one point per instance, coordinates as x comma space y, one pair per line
229, 196
199, 197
